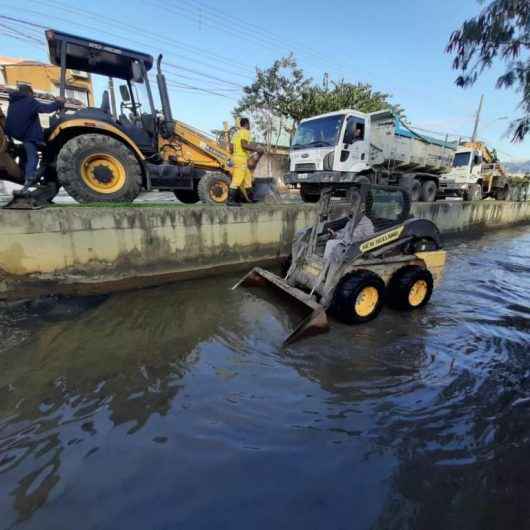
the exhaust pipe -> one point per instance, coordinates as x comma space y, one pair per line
162, 89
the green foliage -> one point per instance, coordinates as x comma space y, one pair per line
500, 32
319, 100
281, 96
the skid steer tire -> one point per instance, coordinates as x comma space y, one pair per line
187, 196
213, 188
99, 168
358, 297
429, 190
409, 288
307, 196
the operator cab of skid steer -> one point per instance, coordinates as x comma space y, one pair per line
82, 57
360, 253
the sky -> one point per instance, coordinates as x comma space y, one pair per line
395, 45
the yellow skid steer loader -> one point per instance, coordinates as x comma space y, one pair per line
351, 265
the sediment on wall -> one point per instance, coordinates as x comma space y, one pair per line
82, 250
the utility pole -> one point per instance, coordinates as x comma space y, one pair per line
477, 119
112, 98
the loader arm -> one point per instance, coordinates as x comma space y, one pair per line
191, 147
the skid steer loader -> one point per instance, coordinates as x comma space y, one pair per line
98, 155
397, 260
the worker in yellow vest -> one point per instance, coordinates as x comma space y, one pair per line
241, 148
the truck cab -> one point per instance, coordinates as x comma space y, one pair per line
466, 171
337, 141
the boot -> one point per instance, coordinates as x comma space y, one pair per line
250, 195
232, 198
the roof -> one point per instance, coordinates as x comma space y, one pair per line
12, 61
94, 56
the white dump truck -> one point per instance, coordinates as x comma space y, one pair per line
348, 146
477, 174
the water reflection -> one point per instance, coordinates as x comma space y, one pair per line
177, 407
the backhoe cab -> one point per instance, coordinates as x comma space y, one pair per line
105, 155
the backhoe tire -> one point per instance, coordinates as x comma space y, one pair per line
429, 189
99, 168
213, 188
307, 196
409, 288
187, 196
358, 298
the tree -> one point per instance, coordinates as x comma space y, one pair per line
500, 31
267, 98
319, 100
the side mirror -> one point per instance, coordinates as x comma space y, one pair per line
137, 72
124, 93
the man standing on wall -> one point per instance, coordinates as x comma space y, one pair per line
241, 148
23, 124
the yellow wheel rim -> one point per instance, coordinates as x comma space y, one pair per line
366, 301
219, 191
103, 173
418, 292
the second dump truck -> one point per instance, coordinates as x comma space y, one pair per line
348, 146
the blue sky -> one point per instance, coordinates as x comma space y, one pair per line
396, 45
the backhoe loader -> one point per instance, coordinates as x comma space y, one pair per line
397, 260
99, 156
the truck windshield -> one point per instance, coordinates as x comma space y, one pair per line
321, 132
462, 159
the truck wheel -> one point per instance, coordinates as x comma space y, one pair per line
187, 196
358, 297
307, 196
409, 288
429, 189
213, 188
415, 190
504, 194
474, 193
99, 168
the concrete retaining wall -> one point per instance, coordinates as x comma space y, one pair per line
81, 250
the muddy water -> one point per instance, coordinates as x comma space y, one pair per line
175, 408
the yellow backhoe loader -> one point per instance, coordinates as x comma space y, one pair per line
100, 155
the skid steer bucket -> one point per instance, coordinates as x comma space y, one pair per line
316, 321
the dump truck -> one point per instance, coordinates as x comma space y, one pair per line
395, 260
477, 174
102, 155
348, 146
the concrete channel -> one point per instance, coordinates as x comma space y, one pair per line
84, 250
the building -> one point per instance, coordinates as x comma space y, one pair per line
44, 79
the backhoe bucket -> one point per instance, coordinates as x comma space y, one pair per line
266, 190
39, 198
315, 323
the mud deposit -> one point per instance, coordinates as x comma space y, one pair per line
175, 408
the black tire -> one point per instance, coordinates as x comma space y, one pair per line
307, 196
504, 194
429, 189
187, 196
285, 265
213, 188
474, 193
414, 190
399, 293
71, 163
347, 297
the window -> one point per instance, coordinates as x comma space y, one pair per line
462, 159
354, 130
320, 132
77, 93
